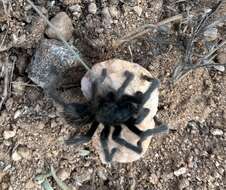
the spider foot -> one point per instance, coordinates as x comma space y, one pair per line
110, 156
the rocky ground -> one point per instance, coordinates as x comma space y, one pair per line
32, 129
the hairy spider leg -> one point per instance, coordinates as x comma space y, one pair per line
145, 134
150, 132
130, 125
116, 137
155, 84
104, 143
129, 77
84, 138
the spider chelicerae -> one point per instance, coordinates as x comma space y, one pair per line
115, 109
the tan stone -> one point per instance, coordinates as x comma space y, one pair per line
9, 134
16, 156
24, 152
63, 24
63, 174
115, 77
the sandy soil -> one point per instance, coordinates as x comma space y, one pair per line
193, 156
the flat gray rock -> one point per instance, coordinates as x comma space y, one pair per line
50, 53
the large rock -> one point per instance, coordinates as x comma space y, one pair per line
115, 77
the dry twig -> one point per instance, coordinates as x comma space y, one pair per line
144, 30
207, 61
7, 73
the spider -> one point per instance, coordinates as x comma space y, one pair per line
115, 109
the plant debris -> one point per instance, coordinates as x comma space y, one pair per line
42, 180
6, 73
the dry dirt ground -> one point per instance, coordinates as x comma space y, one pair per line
193, 156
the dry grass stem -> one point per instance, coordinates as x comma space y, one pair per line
206, 61
144, 30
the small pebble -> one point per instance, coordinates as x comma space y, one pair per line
9, 104
211, 34
180, 171
191, 162
219, 68
114, 11
24, 152
83, 152
76, 10
2, 174
30, 184
102, 173
63, 174
138, 10
92, 8
64, 26
217, 132
18, 86
16, 156
4, 186
184, 183
2, 165
17, 114
86, 176
7, 142
221, 171
153, 179
221, 57
9, 134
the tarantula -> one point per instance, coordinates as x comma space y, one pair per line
112, 110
